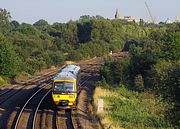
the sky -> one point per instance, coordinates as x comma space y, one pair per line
30, 11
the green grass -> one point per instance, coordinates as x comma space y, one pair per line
130, 109
2, 81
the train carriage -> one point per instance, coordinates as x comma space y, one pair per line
65, 87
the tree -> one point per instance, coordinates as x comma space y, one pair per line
28, 29
84, 31
102, 30
70, 35
171, 49
143, 56
4, 21
58, 30
9, 61
41, 25
14, 25
139, 82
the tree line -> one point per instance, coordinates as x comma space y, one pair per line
28, 48
153, 64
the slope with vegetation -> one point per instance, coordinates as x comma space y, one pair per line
27, 48
124, 108
152, 66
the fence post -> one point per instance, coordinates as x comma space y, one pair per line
100, 105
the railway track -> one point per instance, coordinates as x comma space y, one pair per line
21, 121
67, 119
9, 108
7, 93
64, 119
26, 119
43, 116
13, 91
82, 116
37, 80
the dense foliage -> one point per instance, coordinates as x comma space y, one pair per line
41, 45
153, 63
9, 61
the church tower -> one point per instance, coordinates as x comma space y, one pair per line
117, 16
177, 19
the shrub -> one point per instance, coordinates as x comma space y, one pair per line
139, 83
9, 60
130, 109
116, 71
2, 81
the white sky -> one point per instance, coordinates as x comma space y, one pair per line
30, 11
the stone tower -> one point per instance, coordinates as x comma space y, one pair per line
117, 16
177, 19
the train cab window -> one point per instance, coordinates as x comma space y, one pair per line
68, 86
58, 86
64, 86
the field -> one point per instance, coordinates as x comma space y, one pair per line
128, 109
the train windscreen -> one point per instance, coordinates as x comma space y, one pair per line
63, 87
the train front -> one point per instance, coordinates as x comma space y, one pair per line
64, 93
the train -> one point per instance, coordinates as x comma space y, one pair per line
65, 87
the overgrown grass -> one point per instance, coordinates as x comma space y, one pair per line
129, 109
23, 76
2, 81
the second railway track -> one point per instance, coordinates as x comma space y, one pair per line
44, 116
26, 117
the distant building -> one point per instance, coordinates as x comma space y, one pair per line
117, 16
177, 19
131, 19
136, 20
168, 21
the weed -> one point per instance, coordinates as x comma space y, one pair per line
130, 109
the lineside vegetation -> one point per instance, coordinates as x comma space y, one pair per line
152, 65
124, 108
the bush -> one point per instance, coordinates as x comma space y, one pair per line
74, 56
22, 77
130, 109
2, 81
9, 60
116, 71
139, 83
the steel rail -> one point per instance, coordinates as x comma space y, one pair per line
8, 90
19, 116
33, 80
71, 119
34, 120
50, 76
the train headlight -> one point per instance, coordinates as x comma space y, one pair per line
58, 96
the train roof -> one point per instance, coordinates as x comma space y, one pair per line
69, 72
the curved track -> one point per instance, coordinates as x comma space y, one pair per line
37, 97
7, 93
12, 98
38, 113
